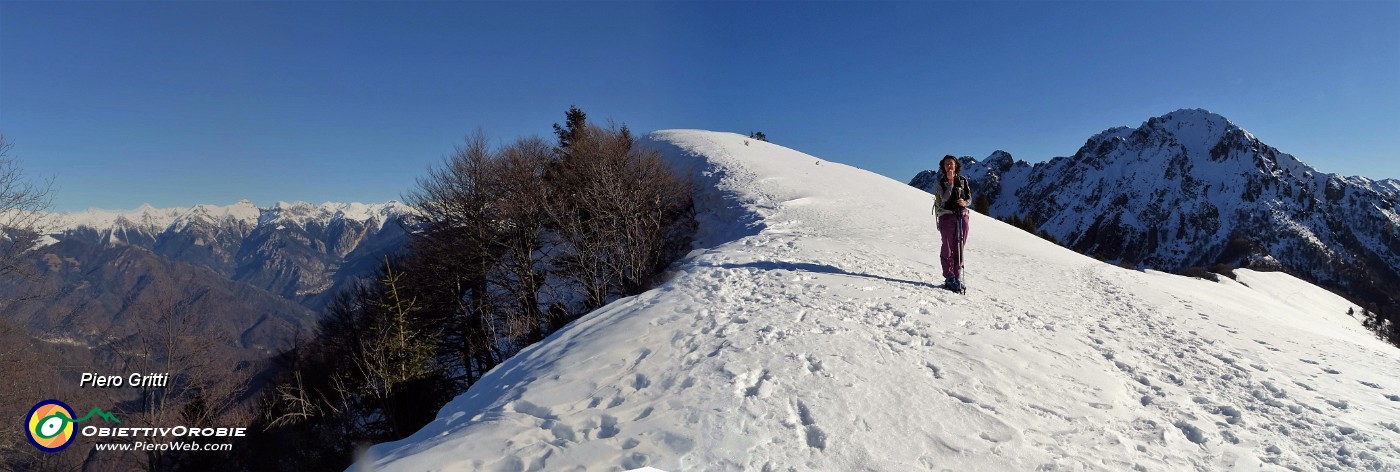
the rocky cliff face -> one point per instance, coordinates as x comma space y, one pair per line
1190, 188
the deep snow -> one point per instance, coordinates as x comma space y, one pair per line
807, 335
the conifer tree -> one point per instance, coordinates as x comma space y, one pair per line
399, 357
981, 204
575, 122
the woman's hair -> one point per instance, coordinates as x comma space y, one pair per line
957, 166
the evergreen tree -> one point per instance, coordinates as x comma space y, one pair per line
575, 122
981, 204
399, 361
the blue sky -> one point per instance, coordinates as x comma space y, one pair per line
178, 103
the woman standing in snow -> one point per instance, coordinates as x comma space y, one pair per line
950, 197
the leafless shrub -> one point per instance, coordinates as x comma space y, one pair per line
621, 210
23, 203
202, 386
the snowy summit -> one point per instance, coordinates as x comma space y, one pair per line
807, 333
1192, 189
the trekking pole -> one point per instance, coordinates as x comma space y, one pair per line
962, 275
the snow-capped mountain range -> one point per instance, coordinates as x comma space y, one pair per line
151, 220
805, 332
255, 278
299, 251
1190, 188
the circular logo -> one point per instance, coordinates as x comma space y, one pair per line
49, 426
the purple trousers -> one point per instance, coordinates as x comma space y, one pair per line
948, 254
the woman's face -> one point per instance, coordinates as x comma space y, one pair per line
949, 166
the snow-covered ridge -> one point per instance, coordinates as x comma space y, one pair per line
805, 333
1190, 188
242, 212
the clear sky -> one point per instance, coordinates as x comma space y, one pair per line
179, 103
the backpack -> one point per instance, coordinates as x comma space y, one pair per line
960, 190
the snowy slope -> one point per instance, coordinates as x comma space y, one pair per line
806, 336
1190, 188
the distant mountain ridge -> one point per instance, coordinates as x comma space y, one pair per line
1190, 188
92, 295
242, 212
251, 278
299, 251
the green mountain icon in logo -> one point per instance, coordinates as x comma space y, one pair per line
102, 414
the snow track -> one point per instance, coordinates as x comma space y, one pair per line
808, 334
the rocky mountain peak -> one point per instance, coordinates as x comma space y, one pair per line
1192, 132
1190, 188
999, 160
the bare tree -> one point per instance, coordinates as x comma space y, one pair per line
36, 377
584, 209
621, 209
22, 223
199, 384
523, 196
23, 203
458, 250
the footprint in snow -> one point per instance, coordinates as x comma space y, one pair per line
1192, 433
996, 436
937, 373
634, 460
1369, 384
755, 386
608, 427
1232, 415
816, 438
531, 409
